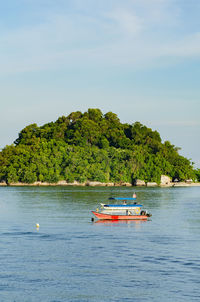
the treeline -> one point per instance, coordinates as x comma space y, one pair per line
91, 146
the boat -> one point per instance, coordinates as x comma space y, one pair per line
121, 211
105, 216
123, 198
122, 207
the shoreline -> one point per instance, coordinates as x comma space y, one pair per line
98, 184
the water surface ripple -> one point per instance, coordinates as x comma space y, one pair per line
70, 258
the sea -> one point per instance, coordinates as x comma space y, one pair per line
52, 251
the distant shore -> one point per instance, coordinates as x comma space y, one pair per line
99, 184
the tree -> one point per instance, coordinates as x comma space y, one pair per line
92, 146
27, 134
197, 174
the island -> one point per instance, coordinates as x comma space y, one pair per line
93, 148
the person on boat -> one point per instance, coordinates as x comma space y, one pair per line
124, 202
134, 195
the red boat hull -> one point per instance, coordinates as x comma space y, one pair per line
119, 217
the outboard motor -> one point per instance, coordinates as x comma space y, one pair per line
145, 213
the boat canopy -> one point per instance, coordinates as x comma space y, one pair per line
123, 198
122, 206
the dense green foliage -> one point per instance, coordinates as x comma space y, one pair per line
91, 146
197, 172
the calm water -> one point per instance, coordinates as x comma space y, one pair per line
71, 258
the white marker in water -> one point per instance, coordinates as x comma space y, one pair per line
37, 225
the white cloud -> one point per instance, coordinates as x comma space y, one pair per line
187, 46
126, 22
136, 34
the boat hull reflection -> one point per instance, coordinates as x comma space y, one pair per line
116, 221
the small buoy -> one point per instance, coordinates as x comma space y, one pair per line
37, 225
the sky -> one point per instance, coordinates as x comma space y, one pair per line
137, 58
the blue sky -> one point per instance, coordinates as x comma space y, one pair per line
137, 58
